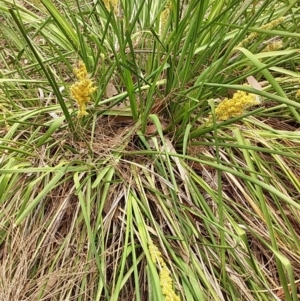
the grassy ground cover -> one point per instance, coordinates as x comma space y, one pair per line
149, 150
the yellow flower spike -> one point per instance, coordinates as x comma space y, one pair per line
298, 94
4, 110
252, 36
80, 71
165, 279
82, 89
111, 3
235, 106
164, 16
273, 24
154, 253
273, 46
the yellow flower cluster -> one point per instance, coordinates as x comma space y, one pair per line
4, 111
164, 16
273, 46
82, 88
298, 94
236, 105
165, 280
267, 26
111, 3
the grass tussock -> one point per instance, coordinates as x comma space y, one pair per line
149, 150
